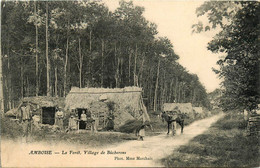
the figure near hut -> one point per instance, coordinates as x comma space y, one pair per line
25, 117
110, 121
59, 116
140, 131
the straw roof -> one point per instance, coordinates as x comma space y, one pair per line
198, 110
128, 97
128, 101
45, 101
182, 107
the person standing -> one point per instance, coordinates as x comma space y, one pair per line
26, 117
110, 122
73, 123
83, 118
141, 132
59, 118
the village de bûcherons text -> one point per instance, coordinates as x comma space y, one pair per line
74, 152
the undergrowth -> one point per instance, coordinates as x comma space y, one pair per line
225, 144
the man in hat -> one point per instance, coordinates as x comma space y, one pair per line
26, 117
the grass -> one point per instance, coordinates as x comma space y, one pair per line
13, 130
100, 139
10, 129
225, 144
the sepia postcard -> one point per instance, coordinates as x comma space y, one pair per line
129, 83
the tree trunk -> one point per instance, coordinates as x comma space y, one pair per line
90, 41
36, 55
140, 73
156, 87
65, 68
21, 59
28, 86
56, 81
80, 65
102, 62
2, 108
135, 66
170, 92
129, 69
175, 90
47, 53
117, 62
90, 59
164, 88
9, 75
179, 93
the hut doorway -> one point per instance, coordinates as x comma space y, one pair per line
82, 124
48, 115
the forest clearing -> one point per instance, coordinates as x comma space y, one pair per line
130, 83
155, 147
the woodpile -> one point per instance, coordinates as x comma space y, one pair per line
253, 126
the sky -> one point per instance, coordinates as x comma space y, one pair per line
174, 20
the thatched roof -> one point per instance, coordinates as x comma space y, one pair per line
182, 107
128, 97
41, 101
198, 110
45, 101
128, 100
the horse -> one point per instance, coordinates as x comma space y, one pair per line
170, 119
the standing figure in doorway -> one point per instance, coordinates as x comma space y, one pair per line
83, 117
59, 118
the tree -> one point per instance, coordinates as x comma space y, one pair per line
82, 43
239, 41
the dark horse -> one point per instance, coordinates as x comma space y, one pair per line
170, 119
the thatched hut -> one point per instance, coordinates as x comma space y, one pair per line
198, 110
179, 107
127, 104
43, 106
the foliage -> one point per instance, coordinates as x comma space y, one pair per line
10, 129
89, 46
224, 144
239, 41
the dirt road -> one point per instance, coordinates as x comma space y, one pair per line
145, 153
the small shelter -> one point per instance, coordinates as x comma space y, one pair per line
198, 110
181, 107
43, 106
127, 104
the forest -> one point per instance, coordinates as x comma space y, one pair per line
238, 42
47, 47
